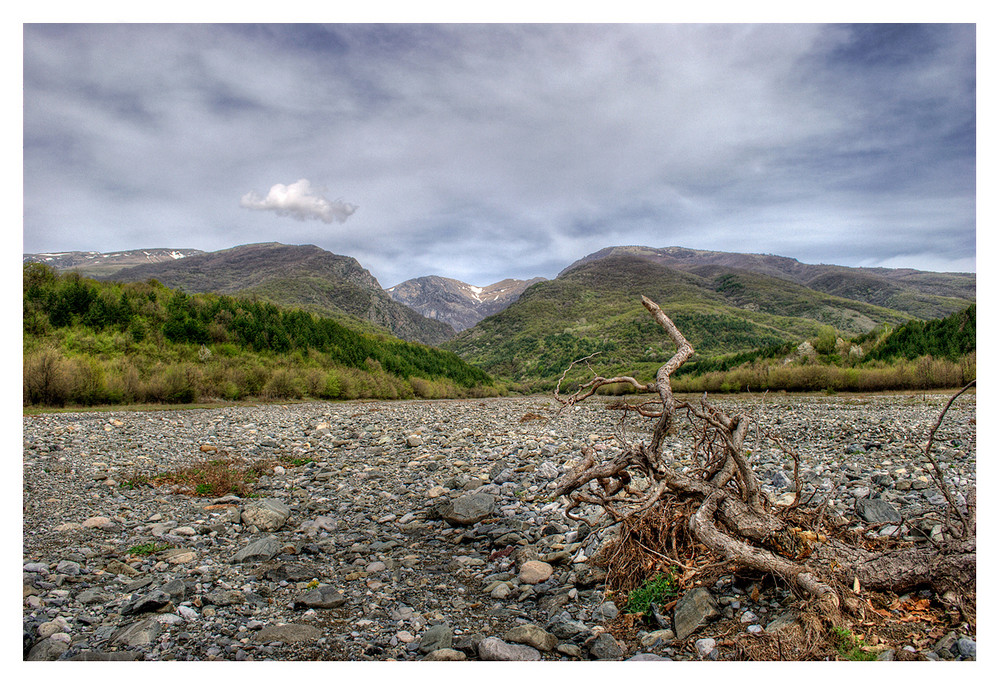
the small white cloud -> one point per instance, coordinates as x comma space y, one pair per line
299, 201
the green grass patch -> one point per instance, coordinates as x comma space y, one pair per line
850, 646
656, 590
144, 550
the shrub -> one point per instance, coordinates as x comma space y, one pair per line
283, 384
46, 380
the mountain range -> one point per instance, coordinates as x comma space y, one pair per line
528, 329
99, 264
456, 303
303, 276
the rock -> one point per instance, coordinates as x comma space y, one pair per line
570, 650
877, 511
533, 636
469, 509
323, 597
107, 656
157, 599
704, 647
469, 644
657, 638
606, 612
565, 628
47, 650
435, 638
786, 620
68, 568
288, 632
224, 598
966, 647
606, 648
495, 649
437, 491
259, 550
118, 568
179, 555
445, 655
266, 514
137, 634
534, 572
642, 656
98, 522
94, 596
693, 610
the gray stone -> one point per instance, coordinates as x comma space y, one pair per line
289, 632
887, 655
533, 636
606, 648
657, 638
224, 598
704, 646
157, 599
107, 656
324, 597
608, 611
789, 618
877, 511
966, 647
435, 638
495, 649
565, 628
445, 655
47, 650
177, 589
259, 550
94, 595
642, 656
68, 568
266, 514
136, 634
469, 644
469, 509
693, 610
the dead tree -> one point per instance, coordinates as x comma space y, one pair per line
728, 513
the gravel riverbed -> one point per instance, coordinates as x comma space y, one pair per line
407, 530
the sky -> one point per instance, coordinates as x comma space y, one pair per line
487, 151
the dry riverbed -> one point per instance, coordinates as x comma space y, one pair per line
409, 530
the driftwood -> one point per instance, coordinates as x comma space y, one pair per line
732, 518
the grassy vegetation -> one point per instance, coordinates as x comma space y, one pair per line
851, 647
88, 343
656, 590
597, 307
916, 355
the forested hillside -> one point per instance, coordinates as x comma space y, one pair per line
87, 342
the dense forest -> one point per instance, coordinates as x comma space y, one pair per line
88, 342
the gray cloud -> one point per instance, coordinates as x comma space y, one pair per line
486, 151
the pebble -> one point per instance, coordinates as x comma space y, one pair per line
361, 544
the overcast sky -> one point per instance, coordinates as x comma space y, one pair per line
481, 152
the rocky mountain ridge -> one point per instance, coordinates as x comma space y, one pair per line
456, 303
303, 276
98, 264
923, 294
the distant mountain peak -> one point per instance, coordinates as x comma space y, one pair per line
456, 303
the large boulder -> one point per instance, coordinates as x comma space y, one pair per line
469, 509
266, 514
693, 610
